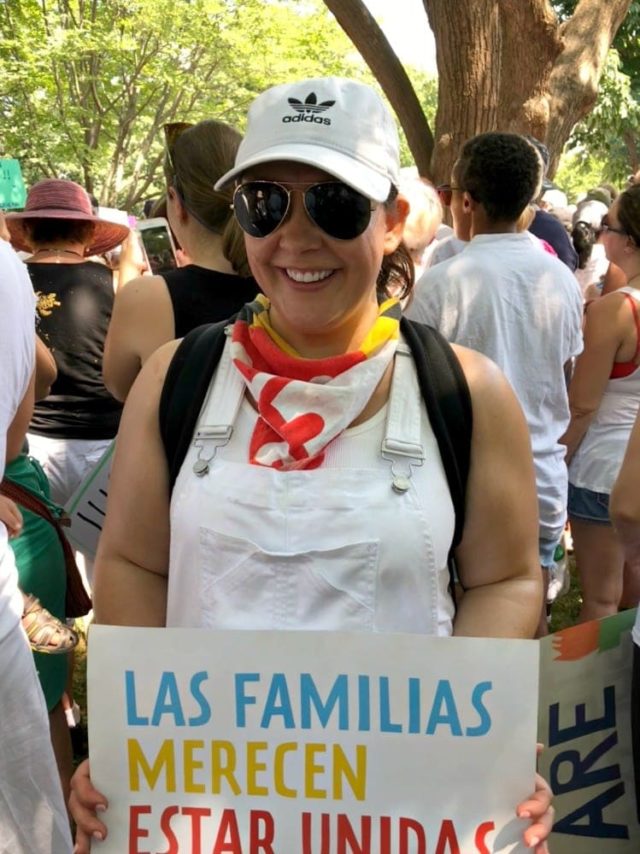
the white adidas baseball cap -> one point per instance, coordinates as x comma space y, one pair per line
334, 124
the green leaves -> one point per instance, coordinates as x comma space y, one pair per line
599, 142
86, 85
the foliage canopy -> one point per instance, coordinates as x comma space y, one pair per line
88, 84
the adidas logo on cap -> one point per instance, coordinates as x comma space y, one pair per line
309, 110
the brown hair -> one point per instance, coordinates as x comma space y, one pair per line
195, 161
629, 212
44, 230
397, 274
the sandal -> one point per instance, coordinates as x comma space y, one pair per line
46, 633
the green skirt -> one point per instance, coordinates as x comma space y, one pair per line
41, 568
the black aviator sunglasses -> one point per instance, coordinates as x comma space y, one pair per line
337, 209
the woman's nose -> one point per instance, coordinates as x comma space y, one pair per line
298, 226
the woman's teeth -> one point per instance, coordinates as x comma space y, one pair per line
307, 276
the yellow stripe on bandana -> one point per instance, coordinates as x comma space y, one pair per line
386, 327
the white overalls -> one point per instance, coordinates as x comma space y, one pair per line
358, 544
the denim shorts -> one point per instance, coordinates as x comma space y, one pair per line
588, 506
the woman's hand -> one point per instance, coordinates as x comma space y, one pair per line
539, 810
11, 516
133, 262
84, 803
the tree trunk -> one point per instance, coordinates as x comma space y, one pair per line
467, 45
631, 144
574, 79
370, 41
503, 65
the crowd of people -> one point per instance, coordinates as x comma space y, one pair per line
305, 237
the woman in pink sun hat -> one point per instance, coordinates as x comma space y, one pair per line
71, 428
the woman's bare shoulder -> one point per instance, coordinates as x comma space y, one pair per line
481, 373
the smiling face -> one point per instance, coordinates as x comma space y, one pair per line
322, 290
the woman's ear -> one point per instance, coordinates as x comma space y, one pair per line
173, 198
396, 215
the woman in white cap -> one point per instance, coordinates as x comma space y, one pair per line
296, 519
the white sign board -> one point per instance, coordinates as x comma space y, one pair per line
309, 742
585, 723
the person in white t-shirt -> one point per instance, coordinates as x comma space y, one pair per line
516, 304
33, 818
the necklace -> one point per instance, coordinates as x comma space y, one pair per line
53, 251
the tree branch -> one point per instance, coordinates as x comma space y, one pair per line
573, 84
370, 42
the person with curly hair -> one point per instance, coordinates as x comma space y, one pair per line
514, 303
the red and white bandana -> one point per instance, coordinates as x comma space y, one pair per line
303, 404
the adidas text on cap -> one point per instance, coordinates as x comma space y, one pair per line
340, 126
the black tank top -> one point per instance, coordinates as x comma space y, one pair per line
74, 308
202, 296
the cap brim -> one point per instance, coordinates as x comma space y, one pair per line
361, 177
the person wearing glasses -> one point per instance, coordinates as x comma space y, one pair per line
151, 310
507, 298
604, 397
296, 522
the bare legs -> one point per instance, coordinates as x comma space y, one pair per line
600, 562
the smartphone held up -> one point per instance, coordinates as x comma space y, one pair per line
158, 244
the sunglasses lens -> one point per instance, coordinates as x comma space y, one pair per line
260, 207
339, 210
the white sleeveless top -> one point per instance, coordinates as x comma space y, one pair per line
596, 463
358, 544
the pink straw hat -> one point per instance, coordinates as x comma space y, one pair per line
55, 198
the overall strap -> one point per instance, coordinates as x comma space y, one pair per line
442, 384
446, 394
185, 389
402, 443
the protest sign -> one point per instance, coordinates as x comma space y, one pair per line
310, 742
88, 505
585, 704
13, 193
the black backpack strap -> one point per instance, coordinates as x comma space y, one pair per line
446, 394
185, 388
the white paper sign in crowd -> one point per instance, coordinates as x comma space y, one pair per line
310, 743
88, 505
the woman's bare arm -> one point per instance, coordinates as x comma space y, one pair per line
624, 506
142, 321
498, 558
130, 584
46, 369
